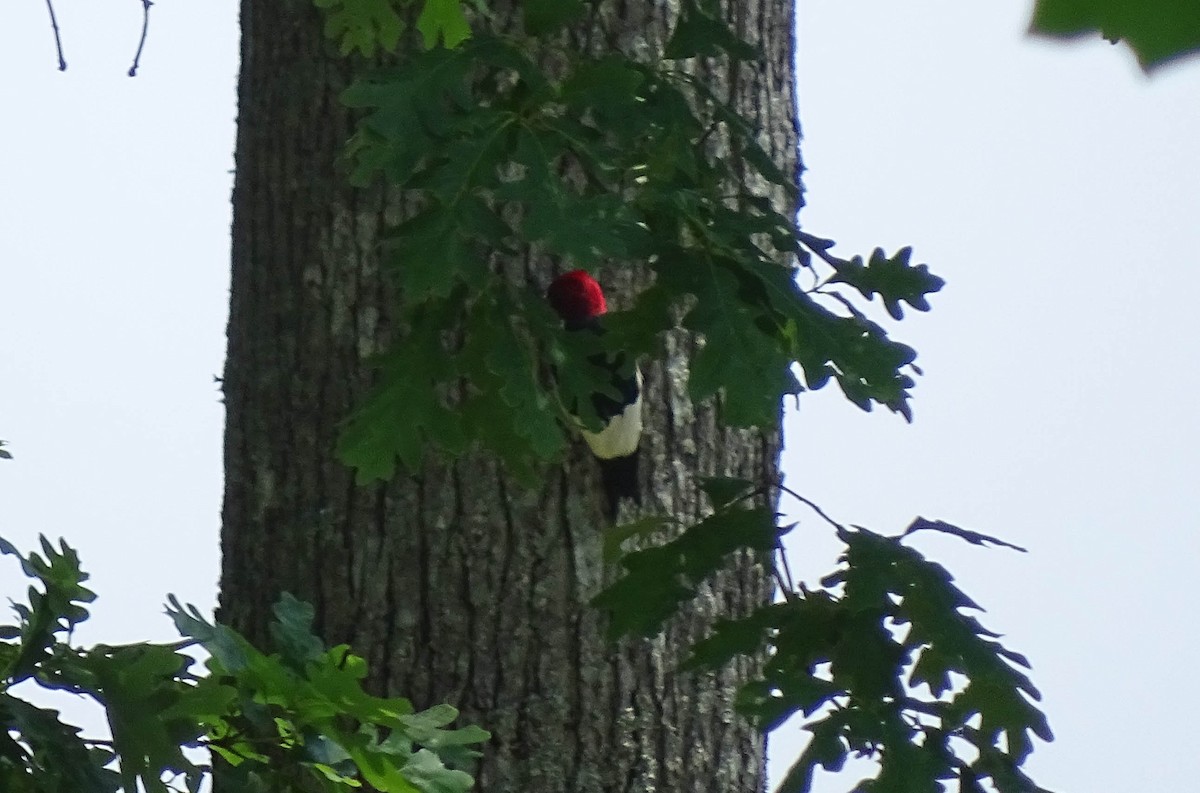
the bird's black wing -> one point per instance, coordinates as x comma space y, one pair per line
607, 407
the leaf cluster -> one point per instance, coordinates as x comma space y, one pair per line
370, 26
297, 718
883, 661
659, 579
605, 162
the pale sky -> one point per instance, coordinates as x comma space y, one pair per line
1053, 186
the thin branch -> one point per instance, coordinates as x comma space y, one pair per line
787, 568
811, 506
841, 299
62, 63
142, 43
785, 587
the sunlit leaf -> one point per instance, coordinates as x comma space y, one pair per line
443, 20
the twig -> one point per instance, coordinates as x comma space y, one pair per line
142, 43
62, 63
787, 568
788, 591
811, 506
841, 299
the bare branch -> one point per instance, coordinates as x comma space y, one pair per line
62, 63
142, 43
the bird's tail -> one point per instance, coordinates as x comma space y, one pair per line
620, 478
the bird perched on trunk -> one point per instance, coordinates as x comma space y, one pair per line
579, 300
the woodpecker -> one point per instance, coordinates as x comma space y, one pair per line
579, 301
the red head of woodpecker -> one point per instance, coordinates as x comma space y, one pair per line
578, 299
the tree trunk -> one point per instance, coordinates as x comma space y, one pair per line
459, 585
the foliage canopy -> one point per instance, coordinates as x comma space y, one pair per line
295, 717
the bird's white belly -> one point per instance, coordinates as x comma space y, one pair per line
620, 437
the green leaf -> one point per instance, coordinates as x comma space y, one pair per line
608, 84
333, 689
771, 702
380, 771
1003, 712
856, 352
426, 728
707, 545
698, 34
423, 726
510, 410
224, 644
471, 161
480, 383
404, 411
362, 25
615, 536
56, 608
660, 578
1158, 31
723, 490
443, 20
894, 280
583, 366
430, 255
933, 668
973, 537
426, 771
826, 748
740, 358
59, 758
637, 332
137, 683
411, 113
730, 638
208, 702
651, 591
292, 631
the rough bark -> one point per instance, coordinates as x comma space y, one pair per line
459, 585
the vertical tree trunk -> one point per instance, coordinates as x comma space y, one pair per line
459, 585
